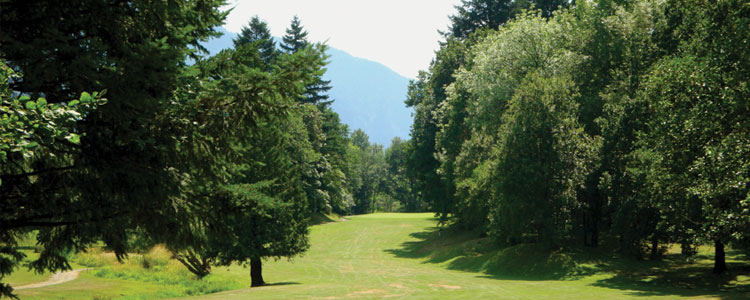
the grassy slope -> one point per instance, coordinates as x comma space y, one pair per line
403, 256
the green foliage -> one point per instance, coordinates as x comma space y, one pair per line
368, 173
257, 32
621, 117
263, 145
118, 171
30, 129
334, 150
36, 137
398, 184
473, 15
180, 155
542, 160
295, 38
445, 151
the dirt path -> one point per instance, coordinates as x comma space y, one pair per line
56, 278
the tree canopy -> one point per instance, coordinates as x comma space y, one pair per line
619, 117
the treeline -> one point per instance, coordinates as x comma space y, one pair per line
115, 128
624, 119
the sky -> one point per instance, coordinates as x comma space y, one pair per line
400, 34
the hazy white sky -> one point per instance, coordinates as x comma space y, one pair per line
401, 34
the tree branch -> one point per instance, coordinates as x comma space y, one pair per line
39, 172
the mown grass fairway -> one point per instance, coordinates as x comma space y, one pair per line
401, 256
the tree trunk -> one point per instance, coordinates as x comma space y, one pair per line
596, 218
720, 263
687, 249
256, 272
654, 248
586, 229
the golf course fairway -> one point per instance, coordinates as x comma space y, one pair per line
406, 256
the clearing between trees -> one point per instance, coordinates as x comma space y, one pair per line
405, 256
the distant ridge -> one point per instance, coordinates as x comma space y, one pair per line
367, 94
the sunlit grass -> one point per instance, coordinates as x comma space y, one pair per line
405, 256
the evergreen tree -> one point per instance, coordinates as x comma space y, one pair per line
259, 208
123, 173
473, 15
295, 38
257, 31
317, 91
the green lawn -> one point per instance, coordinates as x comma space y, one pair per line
23, 275
403, 256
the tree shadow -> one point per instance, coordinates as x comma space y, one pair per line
672, 275
680, 278
281, 283
319, 218
468, 252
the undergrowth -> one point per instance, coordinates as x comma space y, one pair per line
156, 266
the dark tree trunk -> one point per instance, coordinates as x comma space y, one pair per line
687, 249
720, 263
596, 219
654, 247
256, 272
585, 229
592, 213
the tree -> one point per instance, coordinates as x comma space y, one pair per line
620, 47
123, 175
472, 15
459, 157
542, 159
440, 133
368, 161
398, 184
422, 162
265, 211
259, 208
295, 38
335, 150
697, 135
36, 137
257, 31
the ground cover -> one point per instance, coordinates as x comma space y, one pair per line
405, 256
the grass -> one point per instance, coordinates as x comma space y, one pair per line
404, 256
22, 275
151, 275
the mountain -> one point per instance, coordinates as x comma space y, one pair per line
367, 94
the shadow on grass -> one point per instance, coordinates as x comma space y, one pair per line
466, 251
281, 283
673, 275
319, 218
685, 282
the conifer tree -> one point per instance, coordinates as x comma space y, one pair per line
295, 38
257, 31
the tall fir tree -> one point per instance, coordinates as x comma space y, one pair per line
295, 38
257, 31
294, 41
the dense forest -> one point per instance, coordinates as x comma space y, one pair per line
616, 122
620, 119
